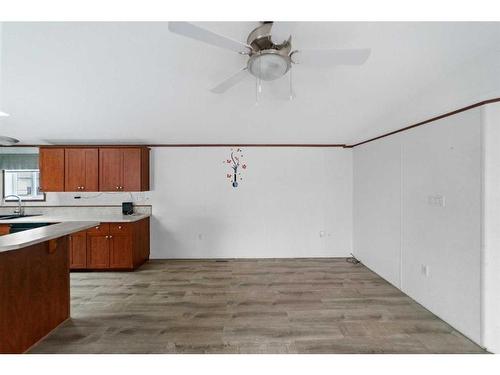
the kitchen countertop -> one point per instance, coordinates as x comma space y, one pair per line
47, 218
16, 241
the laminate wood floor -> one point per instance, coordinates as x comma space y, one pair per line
247, 306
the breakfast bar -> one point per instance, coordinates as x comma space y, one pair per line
34, 283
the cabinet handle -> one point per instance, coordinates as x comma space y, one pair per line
119, 227
117, 188
110, 236
96, 227
83, 187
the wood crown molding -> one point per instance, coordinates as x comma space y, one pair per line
192, 145
341, 145
463, 109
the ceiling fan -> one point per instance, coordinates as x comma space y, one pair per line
269, 51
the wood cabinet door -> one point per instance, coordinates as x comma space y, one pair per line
98, 251
51, 164
81, 169
78, 250
146, 236
4, 229
110, 169
131, 169
121, 251
145, 169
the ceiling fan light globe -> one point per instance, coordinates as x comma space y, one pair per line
268, 66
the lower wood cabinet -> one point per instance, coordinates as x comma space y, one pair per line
4, 229
78, 250
97, 252
111, 246
120, 251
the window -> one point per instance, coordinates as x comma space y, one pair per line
22, 182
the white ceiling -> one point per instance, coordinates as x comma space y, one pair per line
137, 82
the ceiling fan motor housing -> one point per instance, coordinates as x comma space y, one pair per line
268, 61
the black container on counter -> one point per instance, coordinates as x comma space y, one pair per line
127, 208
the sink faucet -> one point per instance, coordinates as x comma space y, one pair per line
20, 209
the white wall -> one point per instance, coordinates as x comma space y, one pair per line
292, 202
491, 232
288, 196
444, 159
440, 161
377, 207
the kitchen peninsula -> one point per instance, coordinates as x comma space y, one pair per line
35, 265
34, 283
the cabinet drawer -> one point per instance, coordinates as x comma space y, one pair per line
99, 230
120, 228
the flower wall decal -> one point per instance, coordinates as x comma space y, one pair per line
234, 162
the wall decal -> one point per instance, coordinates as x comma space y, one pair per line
235, 162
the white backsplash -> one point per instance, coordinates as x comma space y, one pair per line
76, 210
89, 199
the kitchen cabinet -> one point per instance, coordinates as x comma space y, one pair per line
98, 247
121, 251
94, 169
111, 246
124, 169
4, 229
98, 252
110, 169
78, 250
81, 169
51, 165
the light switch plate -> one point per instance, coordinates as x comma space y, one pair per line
436, 200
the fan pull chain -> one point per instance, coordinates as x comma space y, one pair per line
292, 95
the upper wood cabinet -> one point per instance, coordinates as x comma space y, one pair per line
94, 169
81, 169
124, 169
51, 164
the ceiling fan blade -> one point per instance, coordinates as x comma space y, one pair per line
281, 31
230, 82
207, 36
329, 57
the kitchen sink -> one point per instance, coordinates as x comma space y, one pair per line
20, 227
14, 216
